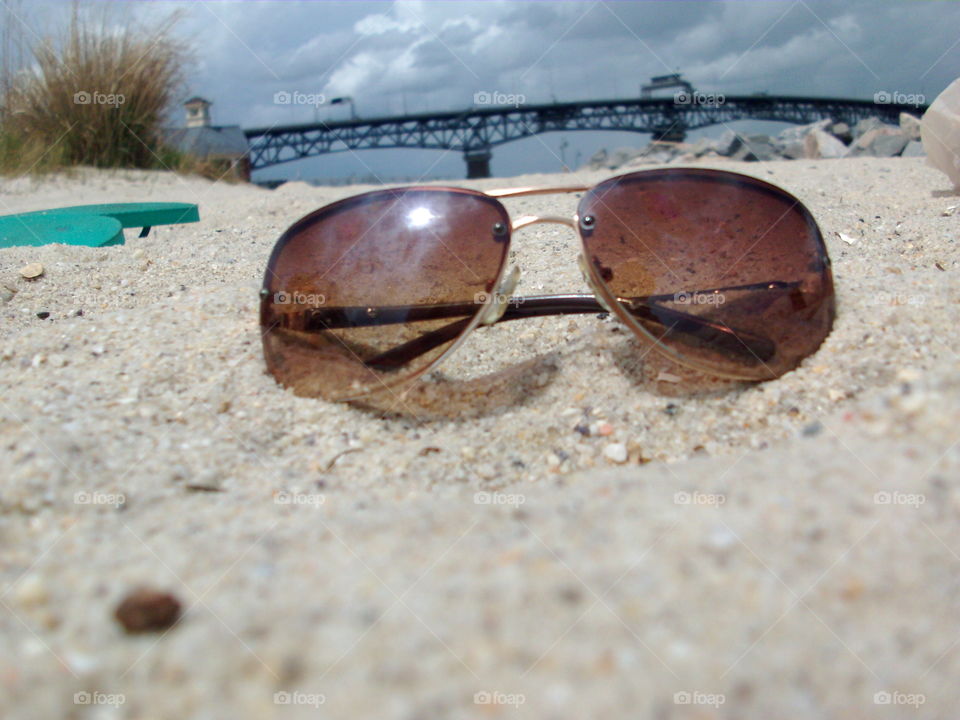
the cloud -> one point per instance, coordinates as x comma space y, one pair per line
435, 55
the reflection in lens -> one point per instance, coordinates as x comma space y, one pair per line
728, 273
367, 293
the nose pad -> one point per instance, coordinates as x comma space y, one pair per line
585, 271
501, 294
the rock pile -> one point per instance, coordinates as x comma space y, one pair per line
823, 139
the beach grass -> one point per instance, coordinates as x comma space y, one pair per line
96, 95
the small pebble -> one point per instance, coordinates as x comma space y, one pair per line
721, 539
31, 271
146, 610
667, 377
32, 591
605, 429
616, 452
909, 374
43, 314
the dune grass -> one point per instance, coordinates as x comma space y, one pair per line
99, 96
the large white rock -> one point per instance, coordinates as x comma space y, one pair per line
884, 141
821, 144
910, 126
799, 132
914, 148
940, 132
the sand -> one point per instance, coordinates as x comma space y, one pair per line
789, 549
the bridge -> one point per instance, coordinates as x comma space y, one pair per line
476, 131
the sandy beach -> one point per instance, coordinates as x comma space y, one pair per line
789, 549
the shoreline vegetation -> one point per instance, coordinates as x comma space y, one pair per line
95, 95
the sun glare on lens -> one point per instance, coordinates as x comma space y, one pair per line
420, 217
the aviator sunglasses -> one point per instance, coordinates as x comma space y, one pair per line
719, 271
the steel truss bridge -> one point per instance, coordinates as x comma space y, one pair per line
475, 132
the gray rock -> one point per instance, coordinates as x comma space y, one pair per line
868, 124
702, 146
910, 126
798, 132
658, 152
841, 131
884, 141
727, 144
914, 148
889, 145
755, 148
598, 160
621, 156
821, 144
793, 150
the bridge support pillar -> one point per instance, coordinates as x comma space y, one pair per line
478, 163
674, 133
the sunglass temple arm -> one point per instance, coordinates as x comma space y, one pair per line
648, 308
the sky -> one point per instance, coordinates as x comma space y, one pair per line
420, 56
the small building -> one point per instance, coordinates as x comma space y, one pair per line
202, 139
198, 112
665, 82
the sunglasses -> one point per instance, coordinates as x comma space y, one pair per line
721, 272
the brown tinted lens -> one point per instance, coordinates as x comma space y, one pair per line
728, 272
367, 293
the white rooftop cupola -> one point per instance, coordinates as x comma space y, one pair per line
198, 112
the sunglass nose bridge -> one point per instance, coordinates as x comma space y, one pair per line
585, 271
501, 296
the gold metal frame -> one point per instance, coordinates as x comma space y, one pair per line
508, 278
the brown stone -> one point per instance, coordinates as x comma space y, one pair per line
147, 610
